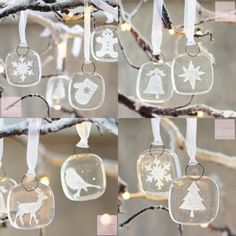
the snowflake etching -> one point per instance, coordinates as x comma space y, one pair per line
22, 68
158, 172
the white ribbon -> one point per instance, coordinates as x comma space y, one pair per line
83, 130
22, 28
32, 145
61, 53
191, 135
1, 141
189, 21
157, 26
107, 8
156, 131
87, 31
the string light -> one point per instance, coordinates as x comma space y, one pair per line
71, 14
204, 225
125, 27
199, 31
106, 219
44, 180
126, 195
200, 114
171, 31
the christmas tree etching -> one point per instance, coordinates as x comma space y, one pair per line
193, 200
155, 83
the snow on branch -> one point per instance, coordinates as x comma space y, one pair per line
22, 128
14, 6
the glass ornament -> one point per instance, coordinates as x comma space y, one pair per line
104, 43
83, 177
194, 202
86, 91
156, 169
23, 67
6, 184
57, 91
192, 75
31, 207
154, 83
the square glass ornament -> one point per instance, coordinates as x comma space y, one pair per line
192, 75
156, 169
6, 184
193, 202
86, 91
23, 67
57, 91
83, 177
104, 43
30, 209
154, 83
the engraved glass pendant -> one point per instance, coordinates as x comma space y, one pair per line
57, 91
31, 208
192, 74
23, 67
104, 43
83, 177
86, 91
194, 202
6, 184
154, 83
156, 169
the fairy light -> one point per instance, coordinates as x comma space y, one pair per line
171, 31
200, 114
106, 219
199, 31
44, 180
57, 107
126, 195
125, 27
204, 225
71, 14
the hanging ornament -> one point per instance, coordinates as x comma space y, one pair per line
191, 72
31, 204
82, 175
194, 198
6, 183
57, 86
157, 167
23, 65
104, 43
154, 78
87, 89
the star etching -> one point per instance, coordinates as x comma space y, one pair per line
192, 74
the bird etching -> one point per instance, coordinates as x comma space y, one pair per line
76, 183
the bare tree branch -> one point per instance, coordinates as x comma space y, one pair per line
149, 111
22, 128
13, 6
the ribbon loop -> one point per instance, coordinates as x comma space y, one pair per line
83, 130
107, 8
87, 31
22, 28
1, 142
189, 21
156, 131
156, 36
191, 135
32, 145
